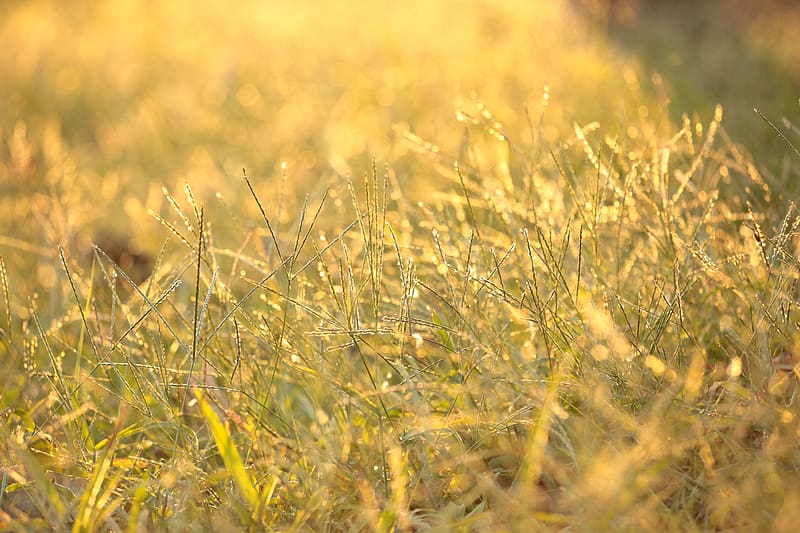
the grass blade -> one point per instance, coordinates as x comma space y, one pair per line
229, 453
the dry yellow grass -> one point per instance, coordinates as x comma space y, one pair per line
483, 272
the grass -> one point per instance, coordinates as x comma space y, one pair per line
489, 282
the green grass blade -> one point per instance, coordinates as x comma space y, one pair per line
230, 455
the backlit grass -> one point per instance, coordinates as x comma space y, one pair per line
383, 267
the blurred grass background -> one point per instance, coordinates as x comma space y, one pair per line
104, 104
167, 87
735, 53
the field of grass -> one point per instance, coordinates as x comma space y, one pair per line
380, 266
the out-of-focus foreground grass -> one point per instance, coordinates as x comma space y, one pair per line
496, 266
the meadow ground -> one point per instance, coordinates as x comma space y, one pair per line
452, 266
